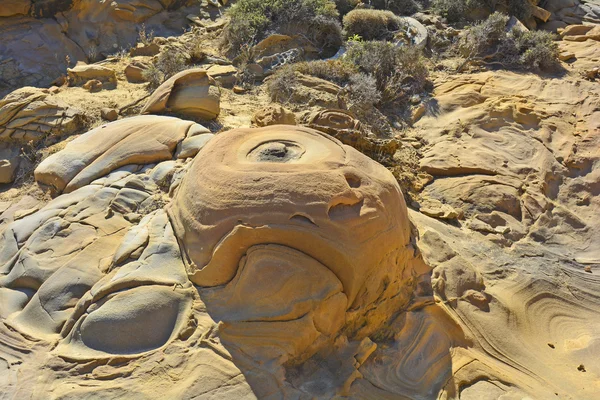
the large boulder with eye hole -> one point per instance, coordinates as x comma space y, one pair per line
297, 204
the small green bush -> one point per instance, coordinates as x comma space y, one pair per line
345, 6
398, 70
282, 84
537, 49
402, 7
482, 36
171, 61
250, 20
489, 41
454, 10
153, 76
168, 63
461, 10
336, 71
362, 92
371, 24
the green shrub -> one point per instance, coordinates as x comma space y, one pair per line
250, 20
168, 63
490, 42
345, 6
336, 71
402, 7
482, 36
282, 84
153, 76
454, 10
371, 24
460, 10
522, 9
537, 49
398, 70
362, 92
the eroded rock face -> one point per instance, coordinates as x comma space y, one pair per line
254, 265
191, 92
293, 194
137, 140
40, 39
273, 114
346, 128
31, 114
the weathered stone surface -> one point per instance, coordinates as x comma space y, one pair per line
93, 85
191, 92
225, 75
31, 114
142, 49
55, 34
273, 114
34, 52
417, 33
8, 8
109, 114
9, 162
190, 146
312, 91
263, 316
346, 128
82, 73
540, 13
138, 140
135, 71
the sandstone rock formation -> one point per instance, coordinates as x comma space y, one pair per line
41, 38
82, 73
191, 92
153, 259
30, 114
137, 140
134, 71
345, 127
238, 296
27, 117
273, 115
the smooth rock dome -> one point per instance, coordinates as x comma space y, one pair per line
294, 187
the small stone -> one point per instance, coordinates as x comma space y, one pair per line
273, 115
142, 49
217, 25
256, 70
8, 170
588, 269
195, 19
418, 112
581, 368
135, 71
93, 85
238, 90
566, 56
592, 73
225, 75
109, 114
